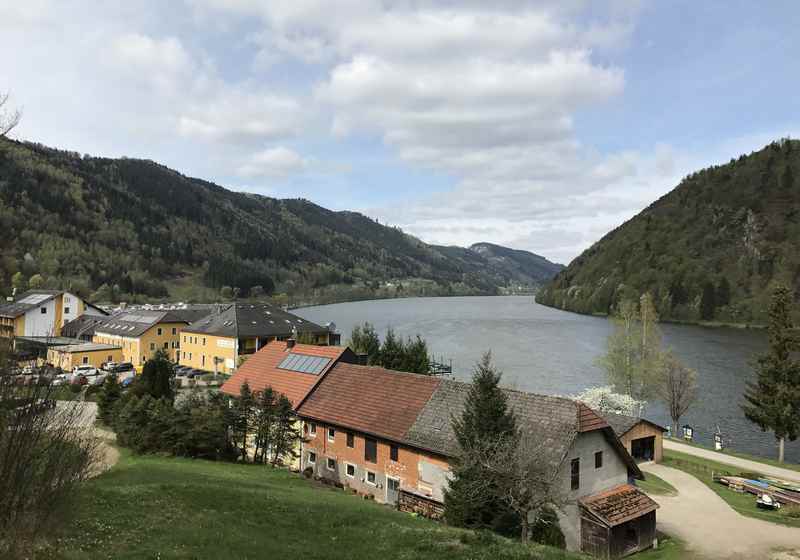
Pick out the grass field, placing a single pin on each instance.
(745, 503)
(154, 507)
(766, 461)
(669, 548)
(656, 486)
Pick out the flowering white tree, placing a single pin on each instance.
(604, 399)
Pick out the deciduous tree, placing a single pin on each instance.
(677, 389)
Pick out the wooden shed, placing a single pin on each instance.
(643, 439)
(618, 522)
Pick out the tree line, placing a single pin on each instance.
(393, 353)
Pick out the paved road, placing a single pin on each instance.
(744, 464)
(710, 527)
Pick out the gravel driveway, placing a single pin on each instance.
(710, 527)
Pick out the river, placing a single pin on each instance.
(549, 351)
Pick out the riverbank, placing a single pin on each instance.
(687, 322)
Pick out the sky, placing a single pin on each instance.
(540, 125)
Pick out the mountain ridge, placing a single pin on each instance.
(710, 250)
(136, 229)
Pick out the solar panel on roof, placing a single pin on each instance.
(304, 364)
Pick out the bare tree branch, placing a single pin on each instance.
(677, 388)
(8, 119)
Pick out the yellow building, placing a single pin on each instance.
(217, 341)
(87, 353)
(140, 333)
(42, 313)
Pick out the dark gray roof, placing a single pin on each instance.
(622, 424)
(252, 319)
(26, 301)
(82, 326)
(135, 323)
(553, 418)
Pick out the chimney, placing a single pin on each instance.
(290, 343)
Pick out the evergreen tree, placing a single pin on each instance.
(243, 420)
(773, 401)
(415, 356)
(787, 181)
(708, 304)
(472, 497)
(265, 419)
(364, 340)
(287, 432)
(392, 351)
(108, 398)
(157, 378)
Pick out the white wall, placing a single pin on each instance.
(73, 303)
(41, 324)
(592, 481)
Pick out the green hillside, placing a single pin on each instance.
(151, 507)
(128, 229)
(710, 250)
(520, 265)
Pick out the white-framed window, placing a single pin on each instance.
(371, 478)
(66, 310)
(331, 464)
(331, 434)
(44, 311)
(350, 470)
(86, 359)
(204, 341)
(152, 346)
(158, 331)
(312, 458)
(174, 330)
(312, 429)
(166, 346)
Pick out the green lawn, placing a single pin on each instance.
(669, 548)
(772, 462)
(743, 503)
(154, 507)
(655, 485)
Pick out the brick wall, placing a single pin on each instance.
(409, 470)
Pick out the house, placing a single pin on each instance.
(87, 353)
(217, 341)
(643, 439)
(42, 313)
(389, 434)
(289, 368)
(141, 333)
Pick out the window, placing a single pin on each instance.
(393, 452)
(204, 341)
(166, 345)
(110, 358)
(575, 472)
(190, 355)
(350, 470)
(371, 478)
(351, 440)
(203, 360)
(313, 430)
(370, 450)
(331, 464)
(44, 311)
(152, 346)
(66, 311)
(86, 359)
(174, 330)
(184, 339)
(598, 460)
(158, 331)
(331, 434)
(312, 458)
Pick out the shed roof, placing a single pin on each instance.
(619, 504)
(261, 370)
(622, 424)
(82, 326)
(133, 324)
(85, 347)
(251, 320)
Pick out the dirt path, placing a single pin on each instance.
(744, 464)
(710, 527)
(108, 454)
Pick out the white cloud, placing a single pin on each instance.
(273, 162)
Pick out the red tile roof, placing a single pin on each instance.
(261, 370)
(589, 420)
(370, 399)
(619, 504)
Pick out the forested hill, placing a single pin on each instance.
(712, 249)
(127, 229)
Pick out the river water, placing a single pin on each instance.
(549, 351)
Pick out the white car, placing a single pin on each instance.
(86, 370)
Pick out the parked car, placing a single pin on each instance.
(61, 379)
(124, 367)
(109, 366)
(127, 381)
(85, 370)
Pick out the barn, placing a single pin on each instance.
(643, 439)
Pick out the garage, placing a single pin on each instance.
(642, 438)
